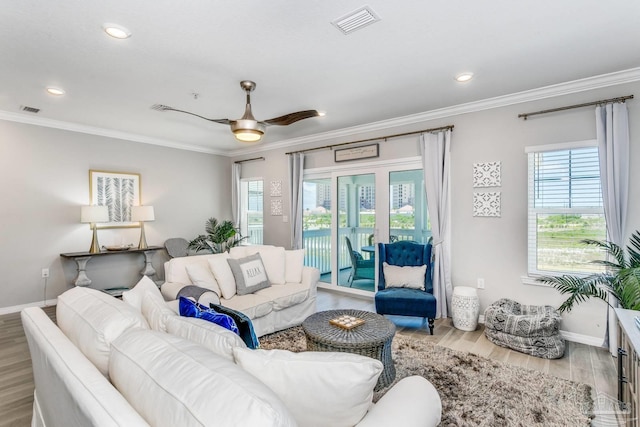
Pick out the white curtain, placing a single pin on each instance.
(296, 172)
(435, 149)
(236, 172)
(612, 133)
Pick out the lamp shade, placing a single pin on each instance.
(94, 214)
(142, 213)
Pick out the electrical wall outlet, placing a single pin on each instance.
(45, 273)
(480, 283)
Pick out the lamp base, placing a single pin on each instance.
(95, 247)
(143, 239)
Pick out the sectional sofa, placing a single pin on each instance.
(289, 300)
(137, 363)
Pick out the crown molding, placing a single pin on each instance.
(109, 133)
(575, 86)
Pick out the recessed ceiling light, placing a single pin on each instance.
(322, 113)
(116, 31)
(464, 77)
(55, 91)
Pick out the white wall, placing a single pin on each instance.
(44, 175)
(491, 248)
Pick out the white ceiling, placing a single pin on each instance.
(402, 65)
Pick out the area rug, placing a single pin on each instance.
(476, 391)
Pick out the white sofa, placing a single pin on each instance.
(290, 299)
(105, 366)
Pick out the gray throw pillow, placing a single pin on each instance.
(249, 273)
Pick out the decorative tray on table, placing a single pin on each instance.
(346, 322)
(117, 248)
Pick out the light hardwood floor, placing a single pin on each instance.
(590, 365)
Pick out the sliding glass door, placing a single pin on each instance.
(346, 212)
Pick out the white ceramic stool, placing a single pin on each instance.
(465, 308)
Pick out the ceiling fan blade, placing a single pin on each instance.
(287, 119)
(160, 107)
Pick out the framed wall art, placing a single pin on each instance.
(362, 152)
(119, 191)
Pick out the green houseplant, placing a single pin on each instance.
(219, 237)
(621, 279)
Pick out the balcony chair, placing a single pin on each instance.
(403, 301)
(360, 268)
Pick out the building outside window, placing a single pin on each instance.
(565, 207)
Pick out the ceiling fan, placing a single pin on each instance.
(247, 128)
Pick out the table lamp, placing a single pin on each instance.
(92, 215)
(142, 214)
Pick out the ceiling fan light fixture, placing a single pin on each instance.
(247, 130)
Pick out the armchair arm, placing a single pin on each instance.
(412, 402)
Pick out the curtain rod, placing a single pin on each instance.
(371, 139)
(587, 104)
(249, 160)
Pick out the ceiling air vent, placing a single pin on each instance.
(355, 20)
(29, 109)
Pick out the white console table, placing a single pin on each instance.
(82, 258)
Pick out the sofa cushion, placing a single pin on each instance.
(201, 275)
(175, 269)
(253, 305)
(273, 258)
(190, 308)
(319, 388)
(404, 277)
(249, 273)
(156, 311)
(171, 381)
(92, 319)
(134, 296)
(223, 274)
(216, 338)
(294, 263)
(286, 296)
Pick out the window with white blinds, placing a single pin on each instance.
(565, 207)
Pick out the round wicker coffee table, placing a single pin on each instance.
(372, 339)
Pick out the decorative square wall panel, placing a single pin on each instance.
(275, 189)
(487, 174)
(276, 207)
(486, 204)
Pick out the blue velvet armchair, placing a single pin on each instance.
(406, 301)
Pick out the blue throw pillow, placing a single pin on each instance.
(190, 308)
(245, 326)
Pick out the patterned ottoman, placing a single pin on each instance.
(529, 329)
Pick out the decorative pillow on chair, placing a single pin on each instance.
(189, 308)
(249, 273)
(244, 324)
(404, 277)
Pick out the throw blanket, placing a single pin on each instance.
(193, 292)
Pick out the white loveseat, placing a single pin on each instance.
(289, 300)
(105, 365)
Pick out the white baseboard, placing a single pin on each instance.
(571, 336)
(582, 339)
(17, 308)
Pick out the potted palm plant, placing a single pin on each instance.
(219, 237)
(620, 280)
